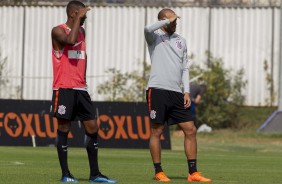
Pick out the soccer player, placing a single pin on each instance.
(71, 100)
(167, 100)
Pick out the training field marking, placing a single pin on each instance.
(5, 163)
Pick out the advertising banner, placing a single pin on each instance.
(121, 125)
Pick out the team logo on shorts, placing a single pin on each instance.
(153, 114)
(62, 109)
(178, 44)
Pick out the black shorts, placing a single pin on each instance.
(72, 105)
(167, 106)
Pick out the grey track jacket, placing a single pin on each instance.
(170, 68)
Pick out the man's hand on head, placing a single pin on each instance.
(81, 12)
(173, 18)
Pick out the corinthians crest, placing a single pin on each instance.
(62, 109)
(178, 44)
(153, 114)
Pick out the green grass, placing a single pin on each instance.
(253, 117)
(238, 156)
(225, 156)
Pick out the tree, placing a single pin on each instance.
(3, 80)
(223, 95)
(221, 100)
(6, 89)
(269, 84)
(125, 86)
(19, 2)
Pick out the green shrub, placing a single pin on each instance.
(223, 95)
(128, 87)
(221, 100)
(3, 73)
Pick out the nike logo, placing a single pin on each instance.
(76, 44)
(70, 180)
(64, 146)
(95, 145)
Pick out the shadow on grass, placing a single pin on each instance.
(178, 177)
(82, 179)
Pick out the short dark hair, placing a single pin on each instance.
(162, 13)
(73, 5)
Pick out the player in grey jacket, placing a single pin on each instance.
(168, 91)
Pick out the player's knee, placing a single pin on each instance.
(91, 127)
(91, 139)
(190, 131)
(64, 128)
(92, 130)
(156, 132)
(61, 138)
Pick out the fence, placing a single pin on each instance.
(242, 37)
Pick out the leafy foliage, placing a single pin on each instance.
(270, 86)
(3, 73)
(19, 2)
(125, 87)
(223, 95)
(6, 89)
(221, 101)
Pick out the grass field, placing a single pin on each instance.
(225, 156)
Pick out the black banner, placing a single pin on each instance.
(121, 125)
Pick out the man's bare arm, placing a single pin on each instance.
(60, 38)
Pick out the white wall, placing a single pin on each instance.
(114, 36)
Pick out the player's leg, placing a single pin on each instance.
(186, 119)
(155, 145)
(156, 100)
(155, 150)
(190, 144)
(63, 109)
(190, 147)
(86, 114)
(62, 149)
(91, 143)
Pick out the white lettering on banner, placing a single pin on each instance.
(76, 54)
